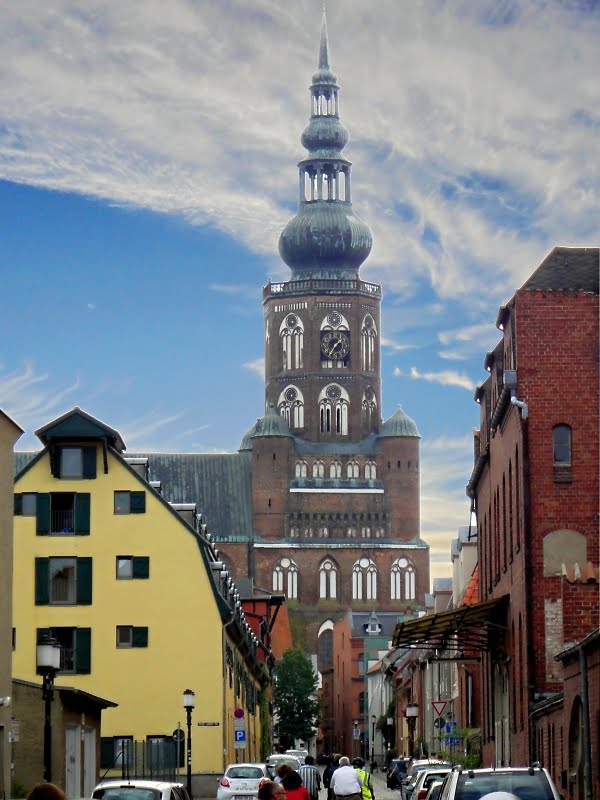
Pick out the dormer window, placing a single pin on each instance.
(76, 462)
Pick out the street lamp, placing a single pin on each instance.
(412, 712)
(373, 721)
(355, 736)
(189, 702)
(47, 658)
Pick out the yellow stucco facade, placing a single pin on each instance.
(157, 624)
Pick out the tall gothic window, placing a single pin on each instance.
(335, 469)
(291, 335)
(285, 578)
(353, 469)
(318, 470)
(402, 580)
(364, 580)
(300, 469)
(370, 470)
(368, 335)
(290, 405)
(328, 579)
(333, 409)
(369, 406)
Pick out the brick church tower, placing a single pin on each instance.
(334, 490)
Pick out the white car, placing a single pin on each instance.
(533, 782)
(139, 790)
(299, 754)
(277, 759)
(425, 778)
(241, 781)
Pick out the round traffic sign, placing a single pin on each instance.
(239, 713)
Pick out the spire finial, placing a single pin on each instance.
(324, 49)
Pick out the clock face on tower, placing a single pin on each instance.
(335, 345)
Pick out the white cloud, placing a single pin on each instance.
(385, 342)
(446, 377)
(257, 366)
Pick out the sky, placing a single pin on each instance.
(148, 157)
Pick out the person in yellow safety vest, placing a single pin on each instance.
(367, 780)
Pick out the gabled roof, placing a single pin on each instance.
(77, 424)
(471, 595)
(567, 268)
(467, 627)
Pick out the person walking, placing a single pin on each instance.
(346, 781)
(311, 777)
(327, 773)
(367, 780)
(294, 790)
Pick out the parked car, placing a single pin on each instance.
(434, 791)
(277, 759)
(425, 778)
(533, 782)
(241, 780)
(415, 770)
(300, 754)
(139, 790)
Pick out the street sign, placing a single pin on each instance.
(439, 706)
(239, 713)
(239, 738)
(439, 723)
(356, 733)
(208, 724)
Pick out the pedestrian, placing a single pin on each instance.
(270, 790)
(327, 773)
(311, 777)
(346, 781)
(281, 771)
(294, 790)
(367, 780)
(46, 791)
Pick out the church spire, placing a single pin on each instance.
(325, 239)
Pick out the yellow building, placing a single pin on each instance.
(132, 588)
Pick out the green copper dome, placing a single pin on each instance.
(325, 239)
(272, 424)
(246, 443)
(400, 425)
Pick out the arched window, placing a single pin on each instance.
(323, 531)
(369, 405)
(291, 406)
(333, 409)
(318, 469)
(402, 580)
(364, 580)
(353, 469)
(561, 445)
(285, 578)
(291, 335)
(365, 532)
(335, 341)
(368, 335)
(335, 469)
(351, 532)
(325, 647)
(300, 469)
(328, 579)
(370, 470)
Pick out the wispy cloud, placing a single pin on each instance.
(396, 346)
(257, 366)
(446, 377)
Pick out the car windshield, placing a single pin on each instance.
(126, 793)
(245, 772)
(519, 784)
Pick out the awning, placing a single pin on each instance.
(472, 627)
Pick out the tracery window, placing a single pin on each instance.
(300, 470)
(369, 405)
(285, 577)
(335, 341)
(335, 469)
(368, 335)
(291, 406)
(318, 469)
(370, 470)
(353, 469)
(364, 580)
(291, 335)
(402, 580)
(328, 579)
(333, 409)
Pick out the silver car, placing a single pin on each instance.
(241, 781)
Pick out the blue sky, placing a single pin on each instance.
(148, 165)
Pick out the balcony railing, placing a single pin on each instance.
(62, 522)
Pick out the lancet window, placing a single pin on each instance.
(300, 470)
(368, 336)
(364, 580)
(353, 469)
(328, 579)
(402, 580)
(335, 469)
(290, 405)
(285, 578)
(318, 469)
(291, 335)
(333, 410)
(370, 470)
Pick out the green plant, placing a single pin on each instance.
(18, 790)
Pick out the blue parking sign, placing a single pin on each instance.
(239, 735)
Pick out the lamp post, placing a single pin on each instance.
(189, 702)
(412, 712)
(373, 721)
(47, 658)
(355, 736)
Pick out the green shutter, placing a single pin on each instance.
(84, 581)
(137, 502)
(83, 650)
(89, 462)
(42, 514)
(139, 637)
(18, 504)
(107, 752)
(42, 577)
(141, 567)
(82, 513)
